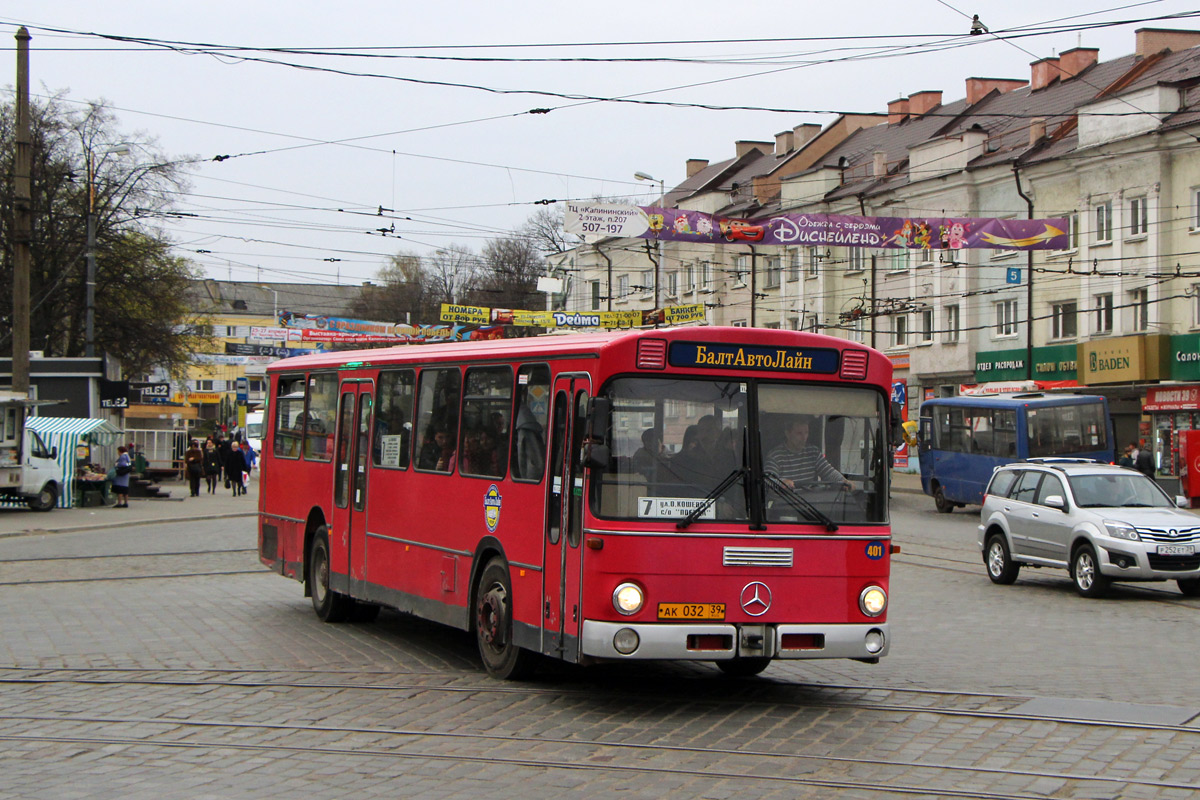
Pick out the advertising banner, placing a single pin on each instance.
(917, 233)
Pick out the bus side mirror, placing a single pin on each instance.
(597, 456)
(599, 416)
(895, 431)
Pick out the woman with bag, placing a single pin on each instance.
(121, 478)
(193, 462)
(235, 465)
(212, 466)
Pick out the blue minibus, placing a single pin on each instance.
(962, 439)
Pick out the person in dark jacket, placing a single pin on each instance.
(1143, 462)
(235, 465)
(212, 466)
(193, 464)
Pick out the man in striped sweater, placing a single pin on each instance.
(796, 462)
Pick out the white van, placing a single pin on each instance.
(254, 430)
(29, 470)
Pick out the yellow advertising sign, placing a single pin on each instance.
(620, 319)
(197, 397)
(466, 315)
(535, 319)
(688, 313)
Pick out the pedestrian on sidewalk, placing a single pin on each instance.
(120, 484)
(212, 466)
(235, 465)
(193, 461)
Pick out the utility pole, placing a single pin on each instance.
(1029, 284)
(23, 220)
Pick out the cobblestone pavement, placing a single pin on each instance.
(218, 681)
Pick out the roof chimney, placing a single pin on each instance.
(695, 165)
(1037, 130)
(1043, 72)
(1155, 40)
(742, 147)
(880, 167)
(783, 143)
(921, 103)
(803, 134)
(897, 111)
(979, 88)
(1074, 61)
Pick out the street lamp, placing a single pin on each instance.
(662, 194)
(89, 332)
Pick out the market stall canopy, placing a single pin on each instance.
(97, 431)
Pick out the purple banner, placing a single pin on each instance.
(918, 233)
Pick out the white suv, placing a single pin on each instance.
(1101, 522)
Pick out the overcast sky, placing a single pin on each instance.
(462, 165)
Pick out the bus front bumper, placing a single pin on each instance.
(703, 642)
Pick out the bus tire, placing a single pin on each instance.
(46, 499)
(744, 667)
(1000, 566)
(1085, 572)
(944, 506)
(330, 606)
(493, 624)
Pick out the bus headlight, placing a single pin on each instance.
(873, 601)
(628, 599)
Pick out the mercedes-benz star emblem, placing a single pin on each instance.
(756, 598)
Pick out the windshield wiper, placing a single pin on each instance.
(711, 498)
(799, 503)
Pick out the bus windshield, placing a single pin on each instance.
(679, 442)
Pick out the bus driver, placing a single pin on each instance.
(795, 461)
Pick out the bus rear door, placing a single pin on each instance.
(347, 534)
(564, 519)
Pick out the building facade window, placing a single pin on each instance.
(772, 272)
(814, 262)
(856, 331)
(622, 287)
(953, 324)
(793, 271)
(926, 325)
(1103, 313)
(740, 323)
(1104, 220)
(898, 260)
(899, 330)
(856, 259)
(1196, 305)
(647, 281)
(1006, 318)
(741, 271)
(1138, 216)
(1063, 320)
(689, 278)
(1139, 301)
(706, 276)
(672, 283)
(1195, 226)
(950, 257)
(1072, 233)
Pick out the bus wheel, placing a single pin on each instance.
(46, 499)
(743, 667)
(494, 625)
(1085, 572)
(329, 605)
(1000, 566)
(944, 506)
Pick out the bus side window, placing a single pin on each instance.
(393, 419)
(437, 418)
(320, 408)
(530, 416)
(487, 403)
(289, 417)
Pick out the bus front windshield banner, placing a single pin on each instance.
(679, 445)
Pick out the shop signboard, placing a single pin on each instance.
(1000, 365)
(1185, 357)
(1125, 358)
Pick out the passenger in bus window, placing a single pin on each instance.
(691, 466)
(796, 462)
(530, 444)
(438, 452)
(647, 458)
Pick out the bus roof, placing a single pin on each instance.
(1015, 400)
(578, 344)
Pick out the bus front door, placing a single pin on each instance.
(347, 529)
(561, 590)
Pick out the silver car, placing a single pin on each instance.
(1101, 522)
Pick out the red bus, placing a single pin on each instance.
(715, 494)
